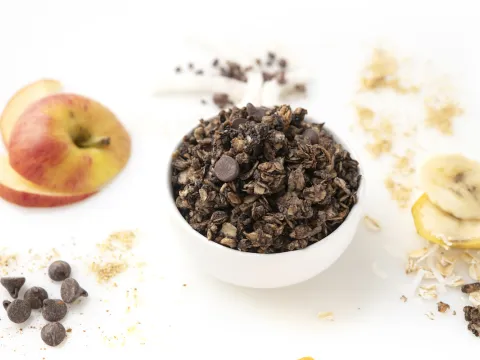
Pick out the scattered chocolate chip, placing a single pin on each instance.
(13, 285)
(469, 288)
(226, 168)
(190, 66)
(53, 334)
(178, 69)
(312, 135)
(199, 72)
(35, 297)
(71, 291)
(221, 100)
(59, 270)
(271, 55)
(18, 311)
(237, 122)
(203, 101)
(54, 309)
(282, 63)
(215, 63)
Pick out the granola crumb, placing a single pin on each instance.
(398, 192)
(442, 307)
(403, 298)
(440, 114)
(108, 270)
(326, 315)
(371, 223)
(382, 73)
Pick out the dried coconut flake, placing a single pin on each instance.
(428, 292)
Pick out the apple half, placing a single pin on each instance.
(21, 100)
(19, 191)
(68, 143)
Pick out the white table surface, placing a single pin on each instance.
(116, 51)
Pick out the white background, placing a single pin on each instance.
(117, 51)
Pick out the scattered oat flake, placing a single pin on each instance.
(474, 271)
(326, 315)
(415, 254)
(474, 298)
(468, 258)
(430, 315)
(442, 307)
(428, 292)
(371, 223)
(403, 298)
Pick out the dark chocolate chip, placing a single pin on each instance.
(178, 69)
(54, 310)
(59, 270)
(282, 63)
(226, 169)
(53, 334)
(190, 66)
(199, 72)
(312, 135)
(221, 100)
(71, 291)
(35, 297)
(215, 63)
(237, 122)
(18, 311)
(13, 285)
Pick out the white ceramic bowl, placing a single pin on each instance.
(268, 270)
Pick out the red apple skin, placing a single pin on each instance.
(42, 151)
(26, 199)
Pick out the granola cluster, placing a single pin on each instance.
(263, 180)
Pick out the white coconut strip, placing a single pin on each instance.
(417, 281)
(431, 250)
(194, 84)
(271, 93)
(252, 90)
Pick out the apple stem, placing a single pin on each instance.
(95, 142)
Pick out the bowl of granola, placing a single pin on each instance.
(263, 198)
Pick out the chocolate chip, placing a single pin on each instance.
(53, 334)
(59, 270)
(190, 66)
(71, 291)
(268, 76)
(271, 55)
(199, 72)
(237, 122)
(18, 311)
(256, 112)
(226, 169)
(178, 69)
(282, 63)
(13, 285)
(54, 310)
(312, 135)
(35, 297)
(215, 63)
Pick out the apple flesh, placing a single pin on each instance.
(17, 190)
(68, 143)
(20, 102)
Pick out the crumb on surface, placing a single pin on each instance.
(107, 271)
(440, 114)
(371, 223)
(442, 307)
(398, 192)
(403, 298)
(326, 315)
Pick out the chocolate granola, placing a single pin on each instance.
(289, 183)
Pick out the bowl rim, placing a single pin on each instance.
(310, 248)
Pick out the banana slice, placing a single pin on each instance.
(437, 226)
(452, 182)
